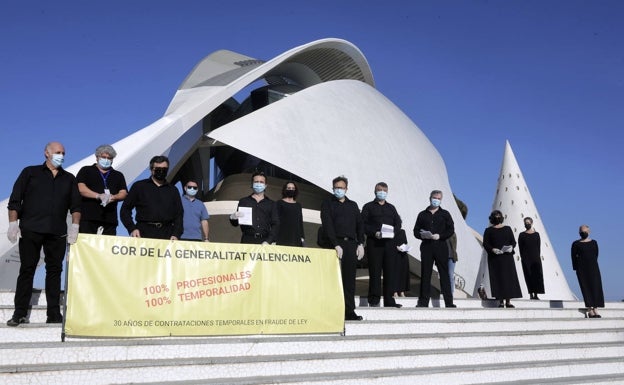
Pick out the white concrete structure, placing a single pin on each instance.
(336, 124)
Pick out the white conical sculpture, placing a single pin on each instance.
(514, 200)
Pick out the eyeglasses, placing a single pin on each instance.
(160, 168)
(191, 187)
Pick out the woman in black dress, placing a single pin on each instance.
(529, 243)
(499, 242)
(585, 263)
(291, 217)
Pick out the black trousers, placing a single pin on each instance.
(91, 227)
(430, 252)
(30, 245)
(348, 267)
(382, 259)
(250, 239)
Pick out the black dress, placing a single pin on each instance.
(503, 276)
(291, 224)
(529, 245)
(585, 262)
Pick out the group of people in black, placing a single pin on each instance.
(43, 195)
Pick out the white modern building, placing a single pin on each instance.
(309, 114)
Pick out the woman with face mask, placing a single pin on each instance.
(499, 242)
(529, 243)
(290, 215)
(585, 263)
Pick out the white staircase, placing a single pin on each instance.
(538, 342)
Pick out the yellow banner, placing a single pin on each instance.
(140, 287)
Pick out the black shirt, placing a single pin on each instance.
(97, 181)
(42, 200)
(439, 222)
(342, 220)
(153, 203)
(265, 218)
(374, 215)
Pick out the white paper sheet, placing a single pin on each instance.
(246, 218)
(387, 231)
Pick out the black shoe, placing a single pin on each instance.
(373, 304)
(421, 305)
(55, 319)
(397, 305)
(510, 306)
(353, 317)
(451, 306)
(16, 321)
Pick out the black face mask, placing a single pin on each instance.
(496, 220)
(160, 173)
(289, 193)
(527, 226)
(583, 234)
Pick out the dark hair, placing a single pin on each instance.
(159, 159)
(381, 184)
(258, 173)
(286, 185)
(340, 178)
(528, 219)
(494, 217)
(191, 180)
(435, 192)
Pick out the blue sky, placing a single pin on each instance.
(546, 75)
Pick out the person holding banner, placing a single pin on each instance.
(290, 216)
(101, 188)
(41, 197)
(195, 222)
(343, 225)
(381, 220)
(257, 214)
(158, 205)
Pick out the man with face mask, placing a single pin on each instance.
(158, 205)
(196, 216)
(381, 247)
(41, 198)
(264, 216)
(433, 227)
(101, 187)
(342, 222)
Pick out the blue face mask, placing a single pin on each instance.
(435, 202)
(381, 195)
(258, 187)
(105, 163)
(190, 191)
(339, 193)
(57, 160)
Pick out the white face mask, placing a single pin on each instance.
(105, 163)
(191, 191)
(57, 160)
(435, 202)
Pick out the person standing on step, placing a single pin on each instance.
(262, 225)
(499, 243)
(40, 200)
(157, 205)
(342, 223)
(101, 188)
(195, 219)
(381, 220)
(290, 214)
(529, 245)
(433, 227)
(585, 263)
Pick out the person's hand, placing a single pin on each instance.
(14, 232)
(360, 252)
(403, 248)
(173, 238)
(497, 251)
(235, 215)
(378, 235)
(72, 233)
(105, 198)
(339, 251)
(265, 243)
(435, 237)
(425, 234)
(135, 233)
